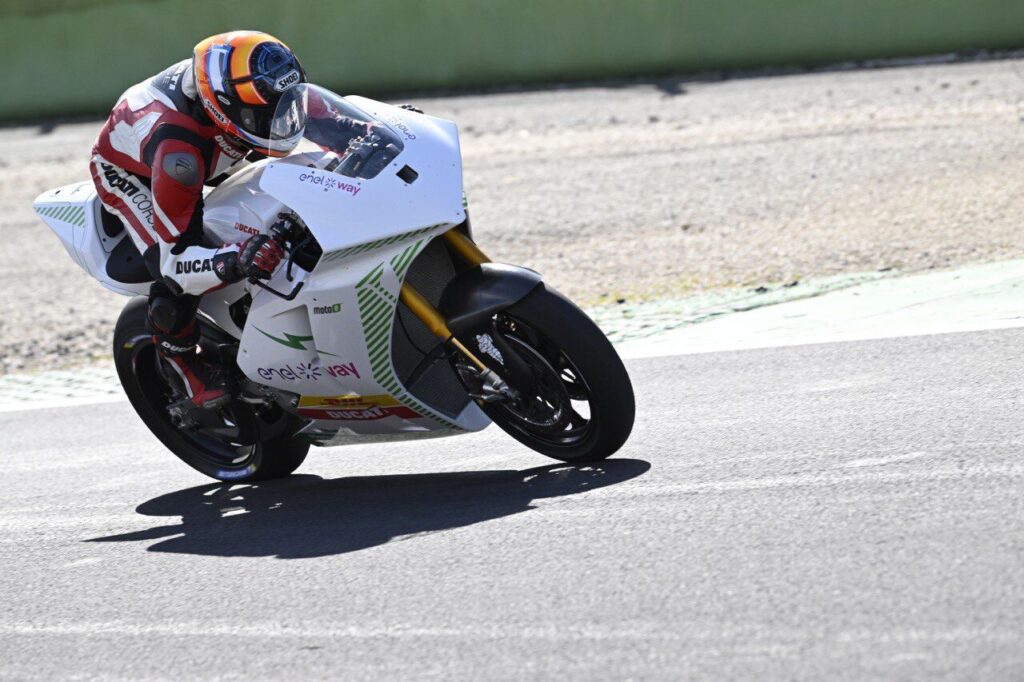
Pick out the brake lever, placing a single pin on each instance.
(288, 269)
(275, 292)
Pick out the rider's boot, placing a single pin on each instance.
(205, 384)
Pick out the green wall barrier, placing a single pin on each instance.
(67, 57)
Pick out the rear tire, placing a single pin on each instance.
(572, 363)
(149, 394)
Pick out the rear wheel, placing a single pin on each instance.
(574, 398)
(226, 445)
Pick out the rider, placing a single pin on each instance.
(192, 124)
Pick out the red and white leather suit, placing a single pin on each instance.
(150, 163)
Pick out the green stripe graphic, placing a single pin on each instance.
(73, 215)
(376, 312)
(380, 243)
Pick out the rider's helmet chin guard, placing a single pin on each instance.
(241, 77)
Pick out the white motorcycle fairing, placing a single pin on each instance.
(333, 344)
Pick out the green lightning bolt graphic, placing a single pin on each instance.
(293, 341)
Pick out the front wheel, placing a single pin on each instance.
(224, 446)
(574, 400)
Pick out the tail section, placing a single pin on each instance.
(63, 210)
(108, 254)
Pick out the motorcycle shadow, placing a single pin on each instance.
(307, 516)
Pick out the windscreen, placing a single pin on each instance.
(337, 135)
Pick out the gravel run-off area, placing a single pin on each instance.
(640, 191)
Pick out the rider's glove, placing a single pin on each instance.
(349, 128)
(410, 107)
(259, 257)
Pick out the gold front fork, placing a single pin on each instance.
(465, 247)
(428, 314)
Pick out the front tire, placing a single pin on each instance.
(221, 458)
(577, 404)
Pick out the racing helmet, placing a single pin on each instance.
(240, 77)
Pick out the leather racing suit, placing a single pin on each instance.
(149, 164)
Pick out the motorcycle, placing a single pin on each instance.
(385, 322)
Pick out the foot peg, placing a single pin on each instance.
(185, 414)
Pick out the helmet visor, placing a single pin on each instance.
(289, 119)
(276, 130)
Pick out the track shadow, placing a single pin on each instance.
(308, 516)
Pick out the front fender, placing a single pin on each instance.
(475, 295)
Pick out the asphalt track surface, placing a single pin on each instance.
(845, 510)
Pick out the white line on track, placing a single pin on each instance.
(622, 631)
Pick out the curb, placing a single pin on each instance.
(622, 323)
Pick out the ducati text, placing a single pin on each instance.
(185, 267)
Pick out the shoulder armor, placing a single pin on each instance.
(175, 83)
